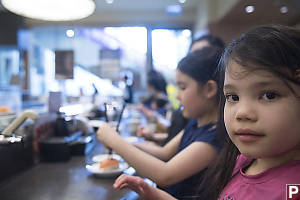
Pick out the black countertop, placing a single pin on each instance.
(62, 181)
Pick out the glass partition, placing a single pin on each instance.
(9, 66)
(169, 46)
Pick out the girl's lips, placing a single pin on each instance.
(247, 135)
(249, 138)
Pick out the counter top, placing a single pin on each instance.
(62, 181)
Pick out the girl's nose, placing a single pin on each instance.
(245, 112)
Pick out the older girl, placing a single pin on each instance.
(173, 167)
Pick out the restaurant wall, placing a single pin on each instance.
(54, 38)
(9, 23)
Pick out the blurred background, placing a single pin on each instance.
(119, 37)
(69, 65)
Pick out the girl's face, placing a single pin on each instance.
(262, 114)
(151, 90)
(190, 95)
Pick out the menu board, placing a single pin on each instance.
(64, 64)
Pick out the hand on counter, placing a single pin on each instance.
(141, 187)
(144, 131)
(148, 134)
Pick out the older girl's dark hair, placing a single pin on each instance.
(202, 64)
(274, 48)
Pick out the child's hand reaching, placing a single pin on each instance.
(106, 134)
(136, 184)
(141, 187)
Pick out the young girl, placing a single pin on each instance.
(173, 167)
(261, 114)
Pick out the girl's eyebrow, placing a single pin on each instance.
(228, 87)
(255, 85)
(264, 84)
(179, 82)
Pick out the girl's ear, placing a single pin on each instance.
(211, 89)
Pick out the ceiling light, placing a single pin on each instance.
(51, 10)
(284, 9)
(109, 1)
(70, 33)
(174, 9)
(182, 1)
(249, 9)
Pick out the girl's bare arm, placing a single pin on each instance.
(188, 162)
(164, 153)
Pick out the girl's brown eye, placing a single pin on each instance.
(269, 95)
(231, 97)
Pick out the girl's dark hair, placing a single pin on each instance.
(211, 39)
(202, 64)
(274, 48)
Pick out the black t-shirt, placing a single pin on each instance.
(178, 122)
(192, 133)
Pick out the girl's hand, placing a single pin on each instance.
(139, 131)
(148, 113)
(144, 132)
(106, 134)
(136, 184)
(139, 107)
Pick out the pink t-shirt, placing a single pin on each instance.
(268, 185)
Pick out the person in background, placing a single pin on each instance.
(206, 40)
(157, 100)
(174, 167)
(261, 110)
(178, 121)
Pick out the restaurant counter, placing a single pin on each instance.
(62, 181)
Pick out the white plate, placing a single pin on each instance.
(95, 169)
(100, 157)
(131, 139)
